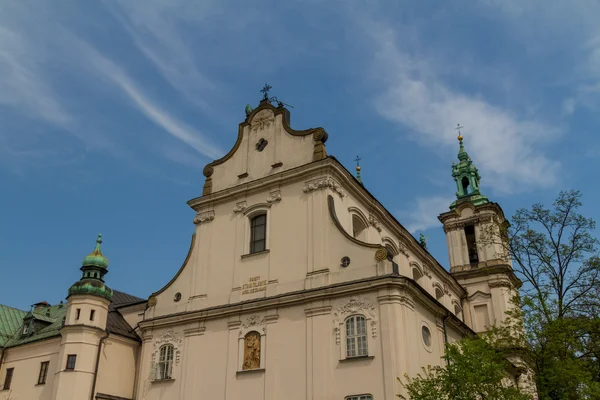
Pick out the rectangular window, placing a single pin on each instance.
(258, 233)
(482, 318)
(471, 244)
(356, 337)
(78, 313)
(360, 397)
(71, 358)
(8, 379)
(43, 372)
(92, 315)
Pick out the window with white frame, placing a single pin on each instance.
(356, 336)
(359, 397)
(165, 362)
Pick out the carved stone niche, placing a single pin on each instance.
(251, 343)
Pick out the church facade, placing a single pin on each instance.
(298, 284)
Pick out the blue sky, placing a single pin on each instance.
(109, 111)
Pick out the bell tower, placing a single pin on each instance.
(478, 263)
(84, 329)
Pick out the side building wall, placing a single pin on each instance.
(26, 361)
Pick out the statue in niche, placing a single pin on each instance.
(251, 351)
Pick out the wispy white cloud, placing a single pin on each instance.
(153, 26)
(178, 129)
(506, 146)
(424, 214)
(23, 88)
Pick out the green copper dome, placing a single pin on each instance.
(95, 258)
(467, 178)
(94, 287)
(94, 267)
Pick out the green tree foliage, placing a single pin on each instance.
(474, 371)
(555, 254)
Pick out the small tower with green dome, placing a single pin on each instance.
(467, 178)
(84, 328)
(94, 267)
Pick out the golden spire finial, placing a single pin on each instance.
(458, 128)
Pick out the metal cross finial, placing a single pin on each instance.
(265, 91)
(357, 159)
(458, 128)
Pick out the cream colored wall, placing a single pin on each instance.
(298, 257)
(133, 314)
(26, 361)
(117, 369)
(82, 341)
(282, 147)
(87, 303)
(302, 359)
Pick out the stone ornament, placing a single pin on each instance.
(381, 254)
(253, 322)
(152, 301)
(274, 197)
(239, 207)
(354, 305)
(172, 338)
(204, 217)
(323, 183)
(375, 222)
(263, 119)
(208, 170)
(320, 135)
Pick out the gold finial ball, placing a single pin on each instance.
(358, 167)
(460, 137)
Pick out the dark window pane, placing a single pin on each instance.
(8, 380)
(258, 231)
(43, 373)
(71, 358)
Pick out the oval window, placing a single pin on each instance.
(426, 333)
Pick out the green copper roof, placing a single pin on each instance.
(466, 175)
(11, 320)
(96, 258)
(51, 318)
(94, 267)
(91, 286)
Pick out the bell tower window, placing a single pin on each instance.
(465, 185)
(471, 244)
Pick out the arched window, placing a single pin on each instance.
(390, 258)
(359, 229)
(165, 362)
(465, 185)
(258, 233)
(416, 274)
(457, 311)
(438, 293)
(356, 336)
(251, 351)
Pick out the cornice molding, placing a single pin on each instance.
(411, 292)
